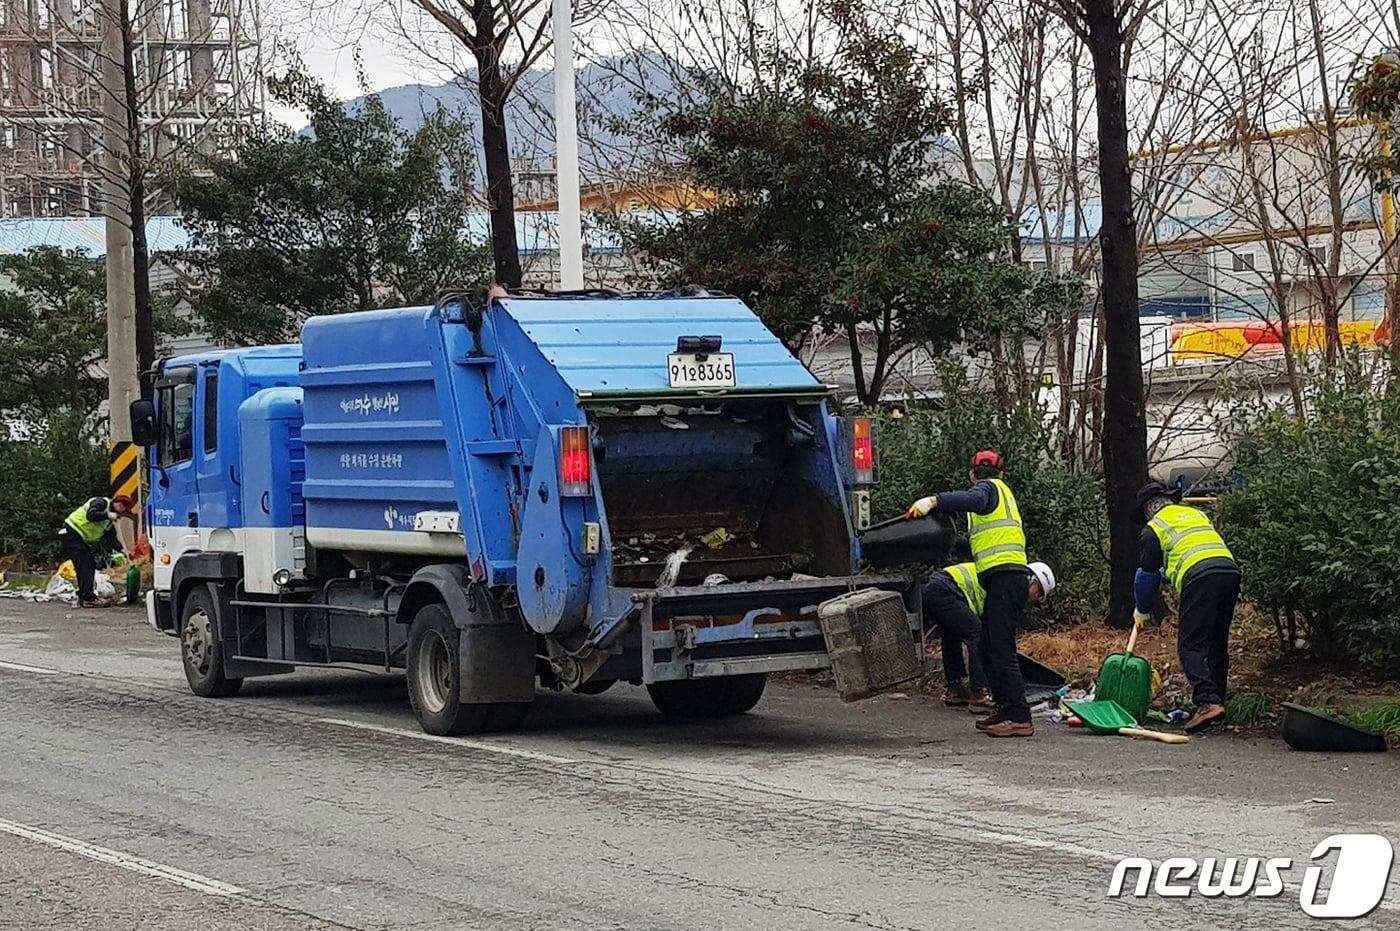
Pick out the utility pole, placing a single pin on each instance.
(566, 150)
(123, 383)
(123, 380)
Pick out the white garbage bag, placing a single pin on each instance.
(102, 586)
(61, 589)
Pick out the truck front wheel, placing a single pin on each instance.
(435, 681)
(201, 648)
(707, 698)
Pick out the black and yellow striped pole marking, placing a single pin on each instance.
(126, 469)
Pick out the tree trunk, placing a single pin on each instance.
(500, 191)
(1125, 424)
(136, 211)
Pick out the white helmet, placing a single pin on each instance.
(1045, 576)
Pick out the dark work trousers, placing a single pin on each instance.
(957, 625)
(71, 546)
(1007, 596)
(1203, 638)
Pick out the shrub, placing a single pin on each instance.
(46, 476)
(927, 451)
(1316, 524)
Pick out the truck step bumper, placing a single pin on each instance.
(738, 629)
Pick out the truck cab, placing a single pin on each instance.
(196, 501)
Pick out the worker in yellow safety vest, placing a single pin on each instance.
(953, 601)
(1180, 543)
(90, 526)
(999, 552)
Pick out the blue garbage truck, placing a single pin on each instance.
(537, 491)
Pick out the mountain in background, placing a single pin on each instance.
(609, 94)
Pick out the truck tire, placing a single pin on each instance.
(744, 692)
(708, 698)
(689, 698)
(201, 648)
(435, 681)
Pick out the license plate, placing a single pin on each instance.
(687, 370)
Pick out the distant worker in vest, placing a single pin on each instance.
(1181, 543)
(953, 604)
(91, 526)
(999, 553)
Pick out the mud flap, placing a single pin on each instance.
(498, 663)
(496, 652)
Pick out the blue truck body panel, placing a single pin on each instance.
(620, 344)
(273, 458)
(377, 445)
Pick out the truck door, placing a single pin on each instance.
(209, 472)
(174, 491)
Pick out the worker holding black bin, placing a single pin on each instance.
(998, 541)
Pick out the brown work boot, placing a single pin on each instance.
(990, 720)
(981, 702)
(1010, 729)
(956, 695)
(1206, 716)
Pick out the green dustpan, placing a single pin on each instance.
(1109, 717)
(1102, 717)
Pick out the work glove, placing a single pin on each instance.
(1140, 618)
(921, 508)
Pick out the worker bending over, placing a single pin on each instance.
(1181, 543)
(89, 526)
(999, 553)
(953, 604)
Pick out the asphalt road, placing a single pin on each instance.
(313, 801)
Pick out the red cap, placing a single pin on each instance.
(123, 499)
(988, 457)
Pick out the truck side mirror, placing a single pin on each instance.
(143, 423)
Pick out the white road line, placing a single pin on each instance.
(124, 860)
(1037, 843)
(22, 667)
(534, 755)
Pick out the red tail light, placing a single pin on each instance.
(575, 462)
(863, 449)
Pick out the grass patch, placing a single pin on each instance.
(1246, 709)
(1383, 719)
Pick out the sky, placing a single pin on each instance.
(327, 35)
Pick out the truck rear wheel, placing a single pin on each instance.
(201, 648)
(744, 692)
(435, 681)
(707, 698)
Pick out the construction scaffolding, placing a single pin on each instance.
(196, 76)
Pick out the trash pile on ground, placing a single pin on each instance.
(61, 587)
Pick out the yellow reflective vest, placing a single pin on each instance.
(1188, 538)
(964, 575)
(90, 530)
(998, 539)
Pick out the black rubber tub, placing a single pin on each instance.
(1310, 729)
(900, 542)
